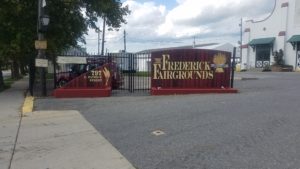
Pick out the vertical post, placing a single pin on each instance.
(98, 42)
(54, 72)
(194, 42)
(129, 71)
(41, 53)
(31, 76)
(241, 45)
(297, 55)
(233, 67)
(124, 41)
(103, 36)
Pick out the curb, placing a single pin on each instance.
(27, 105)
(246, 78)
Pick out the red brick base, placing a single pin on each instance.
(173, 91)
(73, 93)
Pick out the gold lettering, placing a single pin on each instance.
(190, 75)
(183, 66)
(170, 74)
(210, 75)
(156, 68)
(177, 66)
(179, 69)
(190, 65)
(199, 76)
(165, 61)
(171, 66)
(182, 75)
(195, 65)
(207, 66)
(160, 75)
(176, 74)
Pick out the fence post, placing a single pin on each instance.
(54, 72)
(233, 66)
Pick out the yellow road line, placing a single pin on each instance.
(28, 105)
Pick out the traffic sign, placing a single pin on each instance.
(40, 44)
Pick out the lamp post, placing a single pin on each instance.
(43, 21)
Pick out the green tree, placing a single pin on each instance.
(69, 22)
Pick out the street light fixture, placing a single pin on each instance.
(45, 20)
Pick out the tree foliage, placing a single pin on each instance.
(69, 22)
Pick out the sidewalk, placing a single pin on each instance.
(51, 139)
(63, 140)
(11, 101)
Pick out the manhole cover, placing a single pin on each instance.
(158, 132)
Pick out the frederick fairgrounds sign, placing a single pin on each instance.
(182, 71)
(185, 71)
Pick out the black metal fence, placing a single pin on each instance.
(131, 72)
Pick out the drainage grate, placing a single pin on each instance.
(157, 132)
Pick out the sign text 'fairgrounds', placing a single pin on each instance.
(164, 68)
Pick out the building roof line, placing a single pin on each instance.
(251, 20)
(178, 47)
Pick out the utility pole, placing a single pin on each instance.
(103, 36)
(41, 52)
(194, 43)
(124, 41)
(241, 44)
(98, 31)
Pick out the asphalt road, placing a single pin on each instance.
(258, 128)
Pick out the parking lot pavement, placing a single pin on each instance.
(257, 128)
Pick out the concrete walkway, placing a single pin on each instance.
(63, 140)
(51, 139)
(11, 101)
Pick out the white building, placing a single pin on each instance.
(280, 30)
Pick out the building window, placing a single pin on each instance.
(263, 53)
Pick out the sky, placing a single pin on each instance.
(170, 23)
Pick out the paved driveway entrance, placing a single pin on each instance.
(255, 129)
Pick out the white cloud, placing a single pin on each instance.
(151, 25)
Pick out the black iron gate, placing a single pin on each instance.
(134, 71)
(130, 72)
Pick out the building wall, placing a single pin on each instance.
(282, 24)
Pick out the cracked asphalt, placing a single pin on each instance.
(258, 128)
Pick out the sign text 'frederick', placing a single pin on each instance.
(190, 69)
(165, 69)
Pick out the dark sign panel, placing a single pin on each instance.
(93, 83)
(98, 78)
(190, 70)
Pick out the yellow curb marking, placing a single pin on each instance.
(28, 105)
(238, 68)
